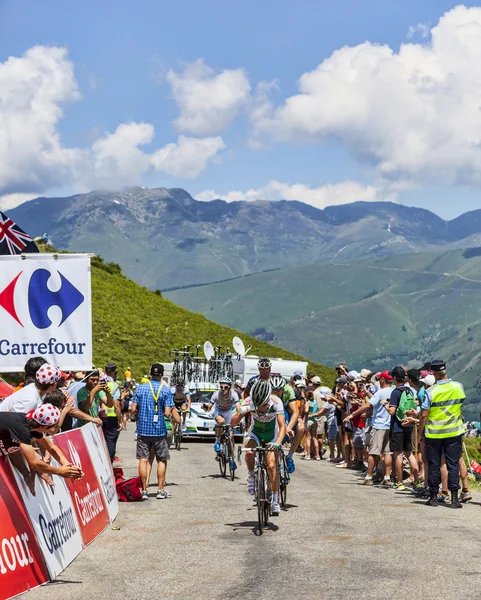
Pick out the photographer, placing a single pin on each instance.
(95, 394)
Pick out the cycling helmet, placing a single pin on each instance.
(278, 382)
(261, 392)
(226, 380)
(180, 381)
(264, 363)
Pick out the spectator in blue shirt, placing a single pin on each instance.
(152, 400)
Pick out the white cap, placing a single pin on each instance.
(429, 380)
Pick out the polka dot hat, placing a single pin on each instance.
(48, 374)
(45, 414)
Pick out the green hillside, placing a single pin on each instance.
(134, 327)
(401, 310)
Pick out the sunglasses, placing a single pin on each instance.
(224, 387)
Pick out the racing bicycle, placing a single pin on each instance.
(262, 493)
(226, 454)
(178, 430)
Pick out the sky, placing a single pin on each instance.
(318, 101)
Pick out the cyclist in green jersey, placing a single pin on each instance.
(269, 426)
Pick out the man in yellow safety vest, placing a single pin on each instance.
(443, 427)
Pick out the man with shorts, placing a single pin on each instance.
(379, 444)
(400, 436)
(153, 400)
(328, 410)
(224, 401)
(182, 400)
(268, 426)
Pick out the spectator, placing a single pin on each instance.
(401, 435)
(17, 430)
(312, 414)
(126, 398)
(153, 400)
(379, 444)
(128, 375)
(321, 420)
(328, 409)
(93, 397)
(112, 421)
(31, 395)
(238, 387)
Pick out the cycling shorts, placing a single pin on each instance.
(225, 414)
(261, 436)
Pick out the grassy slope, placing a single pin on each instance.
(378, 313)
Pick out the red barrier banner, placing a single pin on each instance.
(21, 563)
(54, 521)
(87, 496)
(95, 441)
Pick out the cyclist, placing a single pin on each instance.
(224, 401)
(295, 427)
(269, 426)
(182, 400)
(264, 365)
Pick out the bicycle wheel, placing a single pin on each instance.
(261, 496)
(178, 438)
(282, 480)
(222, 461)
(230, 458)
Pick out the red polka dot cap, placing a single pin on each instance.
(45, 414)
(48, 374)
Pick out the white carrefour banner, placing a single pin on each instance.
(45, 310)
(103, 468)
(54, 521)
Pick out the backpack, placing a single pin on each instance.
(129, 490)
(406, 403)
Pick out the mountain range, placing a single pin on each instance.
(163, 238)
(375, 284)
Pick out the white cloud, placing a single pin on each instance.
(117, 157)
(412, 114)
(420, 28)
(33, 91)
(188, 157)
(208, 101)
(320, 197)
(12, 200)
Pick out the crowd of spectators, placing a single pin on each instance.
(398, 428)
(73, 400)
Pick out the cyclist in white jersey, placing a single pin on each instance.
(224, 401)
(269, 426)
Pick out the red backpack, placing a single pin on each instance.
(128, 490)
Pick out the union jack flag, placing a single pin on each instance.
(14, 240)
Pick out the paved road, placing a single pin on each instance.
(336, 540)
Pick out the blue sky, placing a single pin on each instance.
(121, 53)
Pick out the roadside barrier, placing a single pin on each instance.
(41, 535)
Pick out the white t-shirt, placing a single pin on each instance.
(26, 399)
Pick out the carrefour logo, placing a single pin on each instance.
(40, 298)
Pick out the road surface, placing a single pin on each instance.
(335, 540)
